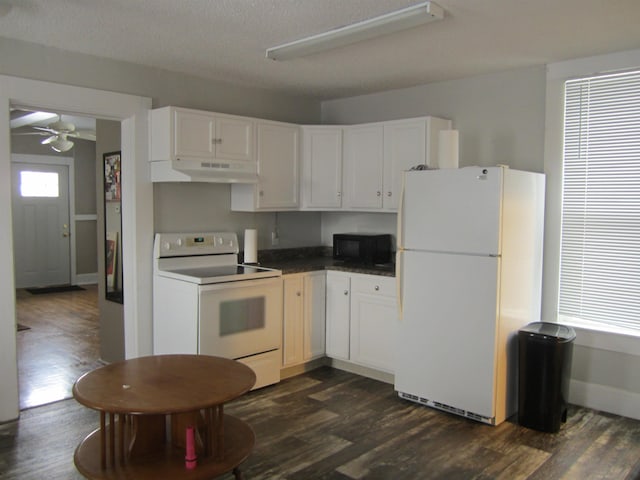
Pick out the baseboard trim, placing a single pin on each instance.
(360, 370)
(295, 370)
(604, 398)
(86, 278)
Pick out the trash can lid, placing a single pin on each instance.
(562, 333)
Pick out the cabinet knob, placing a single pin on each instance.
(346, 292)
(339, 194)
(262, 193)
(376, 288)
(298, 293)
(378, 193)
(388, 194)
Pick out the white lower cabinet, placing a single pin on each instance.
(338, 306)
(304, 317)
(362, 319)
(374, 315)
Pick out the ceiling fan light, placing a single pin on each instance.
(61, 144)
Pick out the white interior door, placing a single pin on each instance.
(41, 234)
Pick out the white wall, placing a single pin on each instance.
(29, 60)
(22, 60)
(605, 365)
(500, 118)
(504, 118)
(205, 207)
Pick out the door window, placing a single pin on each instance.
(39, 184)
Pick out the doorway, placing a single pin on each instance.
(41, 231)
(137, 209)
(55, 255)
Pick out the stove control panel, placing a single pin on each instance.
(188, 244)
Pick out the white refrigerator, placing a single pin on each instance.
(469, 272)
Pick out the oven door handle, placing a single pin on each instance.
(239, 284)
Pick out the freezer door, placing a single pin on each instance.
(452, 210)
(447, 340)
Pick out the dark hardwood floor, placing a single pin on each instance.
(330, 425)
(61, 343)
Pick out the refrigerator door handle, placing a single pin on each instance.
(399, 269)
(399, 242)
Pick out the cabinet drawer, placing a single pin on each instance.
(373, 284)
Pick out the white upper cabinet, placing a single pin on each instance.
(321, 184)
(408, 143)
(359, 167)
(278, 171)
(363, 167)
(180, 132)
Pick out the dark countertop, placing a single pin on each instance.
(309, 259)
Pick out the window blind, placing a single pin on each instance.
(600, 245)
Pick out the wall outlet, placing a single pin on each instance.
(274, 239)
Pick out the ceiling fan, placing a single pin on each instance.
(59, 133)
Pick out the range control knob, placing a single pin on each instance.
(167, 246)
(179, 242)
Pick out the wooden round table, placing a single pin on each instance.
(146, 405)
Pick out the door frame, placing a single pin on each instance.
(137, 212)
(69, 163)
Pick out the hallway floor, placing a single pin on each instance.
(61, 343)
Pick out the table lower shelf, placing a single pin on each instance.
(239, 440)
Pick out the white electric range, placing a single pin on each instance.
(205, 302)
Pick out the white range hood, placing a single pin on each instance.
(196, 170)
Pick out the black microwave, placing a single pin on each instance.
(364, 248)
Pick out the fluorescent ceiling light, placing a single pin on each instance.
(374, 27)
(31, 118)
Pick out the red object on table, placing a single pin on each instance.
(191, 459)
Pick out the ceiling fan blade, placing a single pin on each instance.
(30, 133)
(61, 126)
(45, 129)
(47, 141)
(83, 134)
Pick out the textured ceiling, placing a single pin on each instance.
(226, 39)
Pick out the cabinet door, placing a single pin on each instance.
(234, 139)
(363, 157)
(321, 167)
(404, 147)
(292, 345)
(338, 299)
(194, 134)
(277, 166)
(374, 317)
(314, 315)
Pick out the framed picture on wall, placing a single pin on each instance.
(112, 176)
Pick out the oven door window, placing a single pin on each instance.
(242, 318)
(242, 315)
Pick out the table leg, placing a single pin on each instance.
(121, 428)
(103, 441)
(238, 474)
(112, 438)
(208, 419)
(219, 427)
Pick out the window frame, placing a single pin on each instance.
(557, 74)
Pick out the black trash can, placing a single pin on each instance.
(545, 351)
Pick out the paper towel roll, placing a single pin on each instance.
(448, 149)
(250, 245)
